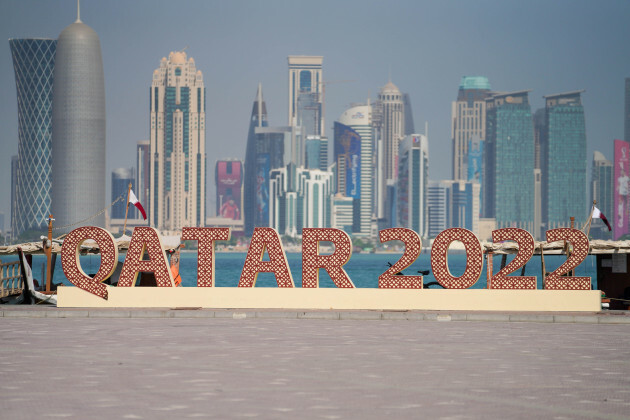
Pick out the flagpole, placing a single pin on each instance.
(590, 219)
(126, 209)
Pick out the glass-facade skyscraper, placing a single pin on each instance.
(509, 161)
(33, 63)
(602, 191)
(412, 183)
(468, 115)
(177, 98)
(563, 161)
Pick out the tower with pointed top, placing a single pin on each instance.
(78, 128)
(177, 145)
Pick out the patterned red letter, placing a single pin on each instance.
(265, 238)
(333, 263)
(72, 266)
(205, 250)
(145, 238)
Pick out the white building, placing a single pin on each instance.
(299, 198)
(359, 118)
(412, 183)
(178, 156)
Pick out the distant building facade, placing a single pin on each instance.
(412, 183)
(390, 129)
(300, 198)
(358, 119)
(602, 191)
(306, 94)
(178, 151)
(626, 118)
(143, 172)
(509, 161)
(468, 120)
(78, 134)
(563, 161)
(316, 153)
(453, 204)
(229, 181)
(121, 178)
(33, 63)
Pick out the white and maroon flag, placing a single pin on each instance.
(597, 214)
(133, 200)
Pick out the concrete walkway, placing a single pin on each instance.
(235, 364)
(41, 311)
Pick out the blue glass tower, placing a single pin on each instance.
(33, 62)
(509, 161)
(563, 161)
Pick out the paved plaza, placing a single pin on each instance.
(239, 367)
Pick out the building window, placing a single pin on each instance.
(305, 81)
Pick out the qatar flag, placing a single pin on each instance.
(597, 214)
(133, 200)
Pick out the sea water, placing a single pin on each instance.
(363, 269)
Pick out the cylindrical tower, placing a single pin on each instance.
(78, 146)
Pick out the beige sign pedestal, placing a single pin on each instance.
(333, 298)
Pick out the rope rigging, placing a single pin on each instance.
(121, 197)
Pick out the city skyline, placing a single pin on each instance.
(419, 45)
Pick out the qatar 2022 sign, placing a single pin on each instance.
(146, 240)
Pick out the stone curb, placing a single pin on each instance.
(608, 317)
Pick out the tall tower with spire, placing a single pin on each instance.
(78, 132)
(177, 145)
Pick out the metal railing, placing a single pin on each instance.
(11, 281)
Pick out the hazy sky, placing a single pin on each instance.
(547, 46)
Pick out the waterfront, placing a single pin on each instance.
(363, 269)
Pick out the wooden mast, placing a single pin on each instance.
(126, 209)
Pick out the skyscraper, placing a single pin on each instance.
(229, 181)
(33, 62)
(306, 94)
(267, 148)
(143, 172)
(78, 134)
(602, 191)
(509, 161)
(413, 178)
(468, 114)
(410, 127)
(316, 153)
(359, 119)
(299, 198)
(390, 128)
(563, 161)
(178, 144)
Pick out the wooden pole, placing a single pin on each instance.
(126, 209)
(590, 218)
(489, 271)
(542, 264)
(48, 251)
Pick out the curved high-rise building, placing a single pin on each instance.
(33, 62)
(78, 148)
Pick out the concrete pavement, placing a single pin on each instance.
(165, 364)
